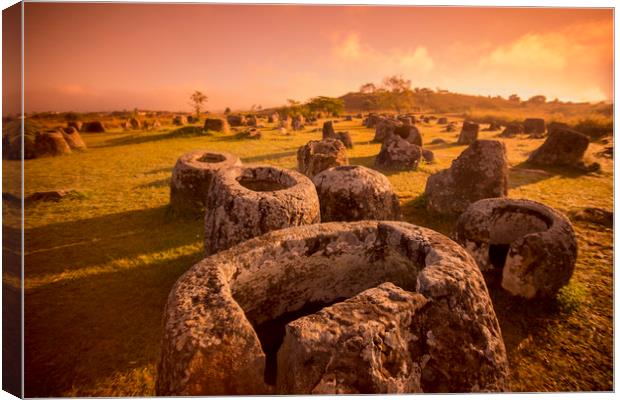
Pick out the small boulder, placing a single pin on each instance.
(428, 156)
(235, 120)
(179, 120)
(442, 121)
(438, 141)
(345, 138)
(135, 124)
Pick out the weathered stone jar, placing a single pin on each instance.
(431, 329)
(249, 201)
(355, 193)
(192, 176)
(531, 245)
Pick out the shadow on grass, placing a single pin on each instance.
(80, 332)
(160, 183)
(184, 131)
(69, 246)
(525, 173)
(269, 157)
(414, 211)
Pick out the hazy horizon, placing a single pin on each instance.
(103, 57)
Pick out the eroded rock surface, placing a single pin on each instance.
(479, 172)
(73, 138)
(531, 245)
(355, 193)
(51, 143)
(93, 127)
(214, 339)
(362, 345)
(244, 202)
(319, 155)
(192, 176)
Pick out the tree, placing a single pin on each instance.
(331, 105)
(514, 98)
(198, 98)
(396, 84)
(538, 99)
(368, 88)
(227, 110)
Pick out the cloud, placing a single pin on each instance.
(352, 52)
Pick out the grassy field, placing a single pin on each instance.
(99, 266)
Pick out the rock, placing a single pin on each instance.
(563, 147)
(319, 155)
(372, 120)
(531, 245)
(512, 130)
(52, 195)
(156, 124)
(428, 155)
(348, 118)
(217, 125)
(553, 126)
(384, 129)
(135, 124)
(93, 127)
(251, 121)
(221, 316)
(438, 141)
(73, 138)
(493, 126)
(51, 143)
(469, 133)
(250, 134)
(287, 122)
(191, 119)
(192, 176)
(607, 152)
(479, 172)
(298, 123)
(398, 154)
(534, 126)
(179, 120)
(594, 215)
(273, 118)
(442, 121)
(345, 138)
(328, 130)
(75, 124)
(410, 133)
(355, 193)
(244, 202)
(450, 128)
(235, 120)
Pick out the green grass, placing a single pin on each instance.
(99, 268)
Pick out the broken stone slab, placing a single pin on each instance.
(479, 172)
(530, 244)
(369, 343)
(398, 154)
(192, 176)
(213, 328)
(244, 202)
(355, 193)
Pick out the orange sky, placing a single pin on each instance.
(152, 56)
